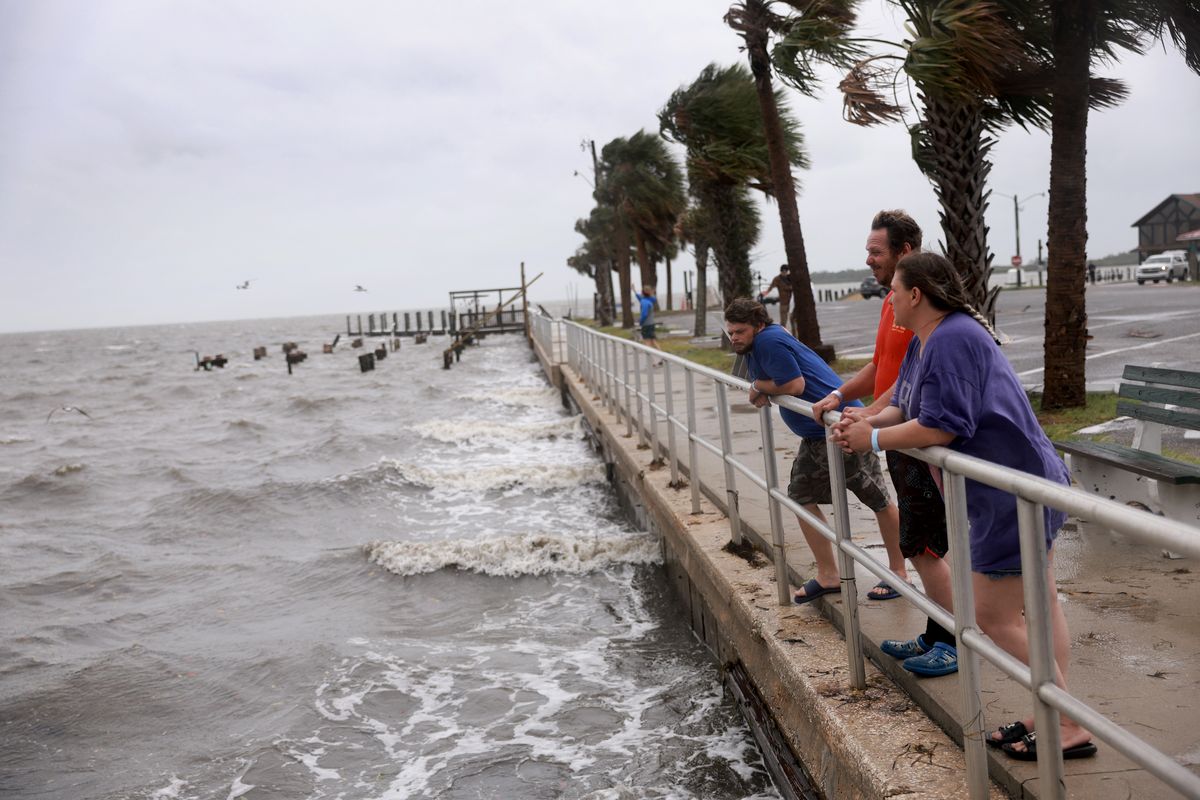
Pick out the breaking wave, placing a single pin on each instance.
(531, 396)
(479, 479)
(460, 431)
(514, 555)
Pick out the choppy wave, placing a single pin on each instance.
(67, 469)
(530, 396)
(460, 431)
(478, 479)
(14, 440)
(517, 554)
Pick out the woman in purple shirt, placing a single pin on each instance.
(957, 390)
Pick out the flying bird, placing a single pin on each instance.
(68, 409)
(245, 284)
(358, 287)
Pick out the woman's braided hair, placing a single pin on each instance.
(937, 279)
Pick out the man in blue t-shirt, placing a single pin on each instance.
(781, 365)
(646, 320)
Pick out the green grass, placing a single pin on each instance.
(1061, 424)
(711, 357)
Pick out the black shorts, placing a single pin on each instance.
(922, 511)
(648, 332)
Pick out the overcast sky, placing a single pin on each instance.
(155, 154)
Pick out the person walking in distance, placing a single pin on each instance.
(646, 319)
(780, 365)
(923, 539)
(783, 284)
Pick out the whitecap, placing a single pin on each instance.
(461, 431)
(517, 554)
(67, 469)
(531, 396)
(480, 479)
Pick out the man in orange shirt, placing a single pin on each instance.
(923, 539)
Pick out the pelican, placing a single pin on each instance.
(244, 284)
(358, 287)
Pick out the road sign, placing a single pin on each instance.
(1016, 261)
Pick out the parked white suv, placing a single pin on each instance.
(1163, 267)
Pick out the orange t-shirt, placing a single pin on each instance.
(891, 343)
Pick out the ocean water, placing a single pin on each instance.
(410, 583)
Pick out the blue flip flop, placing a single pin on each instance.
(812, 590)
(888, 592)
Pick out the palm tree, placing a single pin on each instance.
(977, 67)
(813, 29)
(717, 120)
(595, 258)
(695, 229)
(644, 184)
(1082, 29)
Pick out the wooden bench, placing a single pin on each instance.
(1141, 474)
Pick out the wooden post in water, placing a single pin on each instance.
(430, 321)
(360, 324)
(370, 323)
(443, 320)
(524, 301)
(395, 324)
(348, 331)
(406, 322)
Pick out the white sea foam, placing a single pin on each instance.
(67, 469)
(517, 554)
(14, 440)
(484, 478)
(170, 791)
(530, 396)
(459, 431)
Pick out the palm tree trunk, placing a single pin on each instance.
(604, 311)
(646, 265)
(669, 302)
(730, 244)
(700, 290)
(958, 166)
(784, 189)
(623, 276)
(1066, 310)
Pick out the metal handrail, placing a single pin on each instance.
(1032, 494)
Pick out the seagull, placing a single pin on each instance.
(245, 284)
(358, 287)
(68, 408)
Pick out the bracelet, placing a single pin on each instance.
(839, 394)
(875, 448)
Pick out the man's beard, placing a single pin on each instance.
(741, 351)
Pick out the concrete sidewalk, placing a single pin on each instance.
(1133, 615)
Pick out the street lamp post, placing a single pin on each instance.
(1017, 201)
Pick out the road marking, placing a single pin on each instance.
(1155, 343)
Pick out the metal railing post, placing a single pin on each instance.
(637, 390)
(650, 394)
(841, 524)
(783, 591)
(964, 618)
(731, 494)
(602, 346)
(1031, 523)
(693, 475)
(672, 456)
(611, 351)
(628, 398)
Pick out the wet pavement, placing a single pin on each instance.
(1132, 612)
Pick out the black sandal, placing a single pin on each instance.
(1009, 733)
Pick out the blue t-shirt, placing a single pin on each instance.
(963, 384)
(647, 304)
(778, 356)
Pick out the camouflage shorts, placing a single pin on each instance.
(810, 476)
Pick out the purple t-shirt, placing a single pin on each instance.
(962, 384)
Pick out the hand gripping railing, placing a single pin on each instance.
(593, 358)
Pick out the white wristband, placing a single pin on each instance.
(875, 448)
(839, 394)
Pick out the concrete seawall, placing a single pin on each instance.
(785, 665)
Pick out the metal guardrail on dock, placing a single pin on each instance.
(616, 369)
